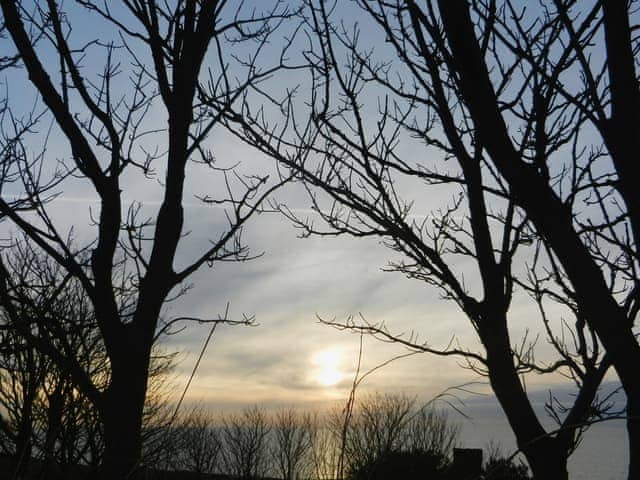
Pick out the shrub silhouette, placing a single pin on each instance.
(429, 465)
(504, 469)
(407, 465)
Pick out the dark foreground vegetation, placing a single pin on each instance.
(384, 436)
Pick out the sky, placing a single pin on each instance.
(289, 357)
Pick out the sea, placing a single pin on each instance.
(601, 455)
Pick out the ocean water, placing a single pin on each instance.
(602, 454)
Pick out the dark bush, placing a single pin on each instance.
(505, 469)
(405, 465)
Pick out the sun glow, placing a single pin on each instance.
(327, 372)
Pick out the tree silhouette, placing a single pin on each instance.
(389, 434)
(44, 415)
(292, 436)
(47, 418)
(246, 444)
(196, 444)
(406, 465)
(487, 91)
(127, 106)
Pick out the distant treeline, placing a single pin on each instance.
(381, 436)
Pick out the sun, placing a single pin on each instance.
(327, 372)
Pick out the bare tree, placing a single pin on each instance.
(376, 430)
(47, 417)
(489, 91)
(291, 439)
(431, 430)
(196, 443)
(21, 375)
(246, 444)
(134, 111)
(598, 251)
(390, 425)
(325, 444)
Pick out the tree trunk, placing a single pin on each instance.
(547, 460)
(546, 457)
(549, 467)
(122, 430)
(121, 412)
(122, 448)
(621, 134)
